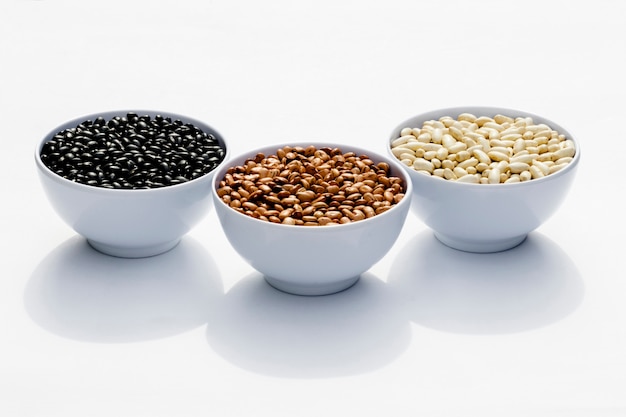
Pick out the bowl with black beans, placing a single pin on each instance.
(311, 217)
(132, 182)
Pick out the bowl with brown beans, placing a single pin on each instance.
(311, 217)
(132, 182)
(485, 177)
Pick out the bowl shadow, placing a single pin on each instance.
(78, 293)
(527, 287)
(263, 330)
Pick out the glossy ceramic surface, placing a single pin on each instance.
(129, 223)
(486, 217)
(312, 260)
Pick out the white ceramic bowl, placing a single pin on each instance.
(312, 260)
(486, 217)
(130, 223)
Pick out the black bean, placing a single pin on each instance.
(151, 157)
(113, 123)
(54, 156)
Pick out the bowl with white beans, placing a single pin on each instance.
(311, 217)
(485, 177)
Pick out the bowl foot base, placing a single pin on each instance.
(480, 246)
(133, 252)
(312, 290)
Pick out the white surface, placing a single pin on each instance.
(538, 331)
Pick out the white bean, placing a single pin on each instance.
(449, 174)
(467, 117)
(482, 156)
(424, 137)
(446, 163)
(448, 141)
(518, 167)
(463, 156)
(494, 176)
(469, 178)
(497, 156)
(397, 151)
(502, 119)
(470, 162)
(413, 145)
(494, 125)
(474, 136)
(407, 155)
(437, 135)
(554, 168)
(545, 169)
(564, 152)
(535, 172)
(442, 153)
(422, 164)
(457, 147)
(501, 149)
(502, 143)
(565, 160)
(456, 132)
(459, 172)
(400, 141)
(526, 158)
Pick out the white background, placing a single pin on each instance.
(536, 331)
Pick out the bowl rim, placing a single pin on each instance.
(454, 112)
(345, 147)
(108, 114)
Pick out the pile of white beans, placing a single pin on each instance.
(484, 150)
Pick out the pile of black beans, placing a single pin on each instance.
(132, 152)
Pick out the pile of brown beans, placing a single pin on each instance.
(311, 187)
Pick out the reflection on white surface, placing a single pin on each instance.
(79, 293)
(263, 330)
(527, 287)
